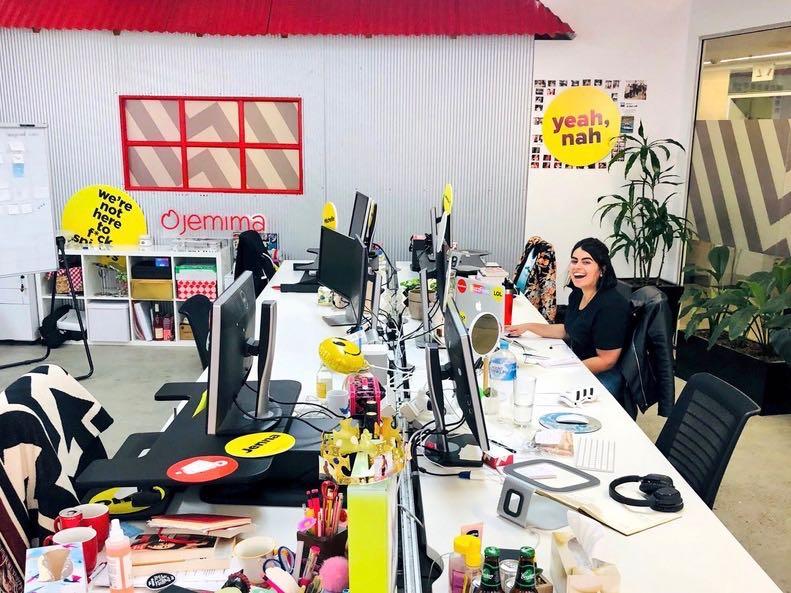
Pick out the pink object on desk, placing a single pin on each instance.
(334, 574)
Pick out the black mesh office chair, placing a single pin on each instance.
(197, 310)
(702, 431)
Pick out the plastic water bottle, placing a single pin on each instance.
(502, 380)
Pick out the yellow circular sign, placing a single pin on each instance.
(498, 292)
(580, 125)
(260, 444)
(103, 214)
(329, 216)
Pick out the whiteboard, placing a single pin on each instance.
(27, 227)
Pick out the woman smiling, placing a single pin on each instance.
(597, 317)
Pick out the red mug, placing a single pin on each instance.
(97, 517)
(78, 535)
(68, 518)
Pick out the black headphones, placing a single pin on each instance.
(660, 494)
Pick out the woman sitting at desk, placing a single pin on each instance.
(597, 318)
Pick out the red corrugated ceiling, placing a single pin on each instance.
(291, 17)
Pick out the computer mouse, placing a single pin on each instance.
(571, 419)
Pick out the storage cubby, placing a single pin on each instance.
(115, 279)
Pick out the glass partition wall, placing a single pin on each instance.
(736, 311)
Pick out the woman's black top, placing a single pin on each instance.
(601, 325)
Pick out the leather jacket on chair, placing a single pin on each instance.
(647, 361)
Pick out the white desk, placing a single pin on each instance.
(696, 549)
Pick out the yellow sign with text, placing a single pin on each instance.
(260, 444)
(447, 199)
(329, 216)
(103, 214)
(580, 125)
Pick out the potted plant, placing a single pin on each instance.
(747, 335)
(643, 228)
(411, 290)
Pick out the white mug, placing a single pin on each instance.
(252, 553)
(337, 401)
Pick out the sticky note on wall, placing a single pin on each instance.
(373, 535)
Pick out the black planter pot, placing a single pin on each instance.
(672, 291)
(766, 383)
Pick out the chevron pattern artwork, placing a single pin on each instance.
(740, 185)
(212, 144)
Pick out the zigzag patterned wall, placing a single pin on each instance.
(740, 187)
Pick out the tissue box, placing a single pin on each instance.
(568, 577)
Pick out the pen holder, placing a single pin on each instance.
(329, 546)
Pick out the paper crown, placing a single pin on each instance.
(384, 452)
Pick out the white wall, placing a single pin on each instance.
(616, 39)
(393, 117)
(621, 39)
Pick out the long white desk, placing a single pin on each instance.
(695, 553)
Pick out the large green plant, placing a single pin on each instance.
(696, 297)
(757, 309)
(642, 224)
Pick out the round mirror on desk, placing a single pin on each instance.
(484, 333)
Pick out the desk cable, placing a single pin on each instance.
(256, 418)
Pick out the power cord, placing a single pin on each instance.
(301, 403)
(257, 419)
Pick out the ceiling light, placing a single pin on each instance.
(758, 57)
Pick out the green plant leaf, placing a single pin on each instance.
(777, 304)
(782, 274)
(640, 131)
(739, 322)
(718, 258)
(631, 160)
(782, 322)
(717, 332)
(757, 290)
(655, 163)
(781, 343)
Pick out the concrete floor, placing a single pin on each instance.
(126, 378)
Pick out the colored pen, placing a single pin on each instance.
(310, 564)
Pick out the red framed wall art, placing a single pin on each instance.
(212, 144)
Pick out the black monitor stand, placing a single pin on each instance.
(442, 448)
(186, 437)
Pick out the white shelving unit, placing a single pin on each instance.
(125, 258)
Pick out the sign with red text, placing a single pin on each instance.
(182, 223)
(580, 125)
(103, 214)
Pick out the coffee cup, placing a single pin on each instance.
(338, 401)
(67, 518)
(97, 517)
(252, 553)
(86, 536)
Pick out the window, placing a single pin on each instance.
(212, 144)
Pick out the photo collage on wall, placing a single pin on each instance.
(627, 94)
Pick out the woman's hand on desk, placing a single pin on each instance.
(543, 330)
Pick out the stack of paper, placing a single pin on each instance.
(222, 526)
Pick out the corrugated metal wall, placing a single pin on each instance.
(396, 118)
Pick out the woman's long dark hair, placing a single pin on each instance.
(601, 255)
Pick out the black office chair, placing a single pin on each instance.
(702, 431)
(197, 310)
(253, 255)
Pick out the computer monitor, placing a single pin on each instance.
(359, 220)
(446, 451)
(343, 268)
(232, 346)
